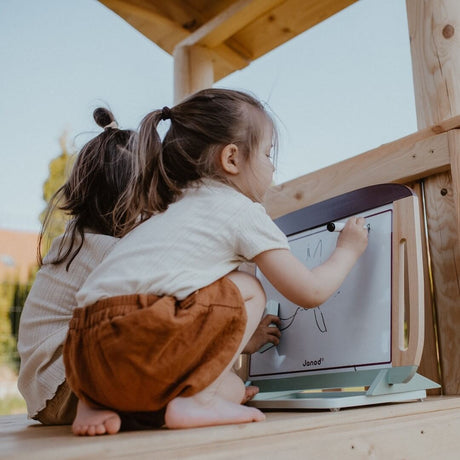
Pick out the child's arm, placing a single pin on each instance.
(264, 334)
(310, 288)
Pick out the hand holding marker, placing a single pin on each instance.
(338, 226)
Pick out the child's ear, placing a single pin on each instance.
(230, 159)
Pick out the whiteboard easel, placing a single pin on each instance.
(370, 333)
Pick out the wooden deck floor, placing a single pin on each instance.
(417, 430)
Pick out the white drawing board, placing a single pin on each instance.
(353, 328)
(369, 335)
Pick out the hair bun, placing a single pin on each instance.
(103, 117)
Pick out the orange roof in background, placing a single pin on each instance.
(18, 254)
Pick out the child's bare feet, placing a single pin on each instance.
(249, 393)
(91, 422)
(188, 413)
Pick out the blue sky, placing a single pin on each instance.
(339, 89)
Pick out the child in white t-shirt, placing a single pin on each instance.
(165, 315)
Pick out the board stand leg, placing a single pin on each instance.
(378, 392)
(380, 385)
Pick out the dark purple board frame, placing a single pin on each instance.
(342, 206)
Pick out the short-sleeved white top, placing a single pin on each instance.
(203, 236)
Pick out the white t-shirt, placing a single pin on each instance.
(45, 319)
(203, 236)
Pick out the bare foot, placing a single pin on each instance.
(249, 393)
(90, 421)
(188, 413)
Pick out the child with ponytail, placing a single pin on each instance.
(99, 178)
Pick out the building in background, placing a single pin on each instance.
(18, 255)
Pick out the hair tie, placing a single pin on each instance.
(112, 124)
(165, 113)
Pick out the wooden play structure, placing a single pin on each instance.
(209, 39)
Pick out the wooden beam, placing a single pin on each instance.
(166, 32)
(163, 31)
(445, 265)
(237, 31)
(286, 21)
(211, 36)
(229, 60)
(193, 61)
(429, 364)
(410, 158)
(229, 21)
(435, 50)
(454, 152)
(193, 70)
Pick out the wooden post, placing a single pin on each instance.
(435, 49)
(429, 364)
(193, 70)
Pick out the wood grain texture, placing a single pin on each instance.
(435, 50)
(454, 152)
(407, 284)
(402, 161)
(193, 70)
(434, 29)
(284, 22)
(222, 26)
(237, 31)
(408, 430)
(445, 264)
(429, 363)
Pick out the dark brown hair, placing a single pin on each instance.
(201, 126)
(99, 178)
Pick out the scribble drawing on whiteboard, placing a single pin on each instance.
(352, 328)
(286, 323)
(289, 320)
(317, 251)
(319, 319)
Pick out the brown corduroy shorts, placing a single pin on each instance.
(138, 352)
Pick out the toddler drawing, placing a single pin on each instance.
(164, 316)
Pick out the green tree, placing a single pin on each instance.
(7, 342)
(20, 291)
(12, 292)
(59, 169)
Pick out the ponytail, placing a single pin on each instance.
(153, 189)
(200, 128)
(99, 179)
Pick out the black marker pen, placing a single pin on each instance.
(338, 226)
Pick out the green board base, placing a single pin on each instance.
(379, 391)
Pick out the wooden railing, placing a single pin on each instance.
(434, 154)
